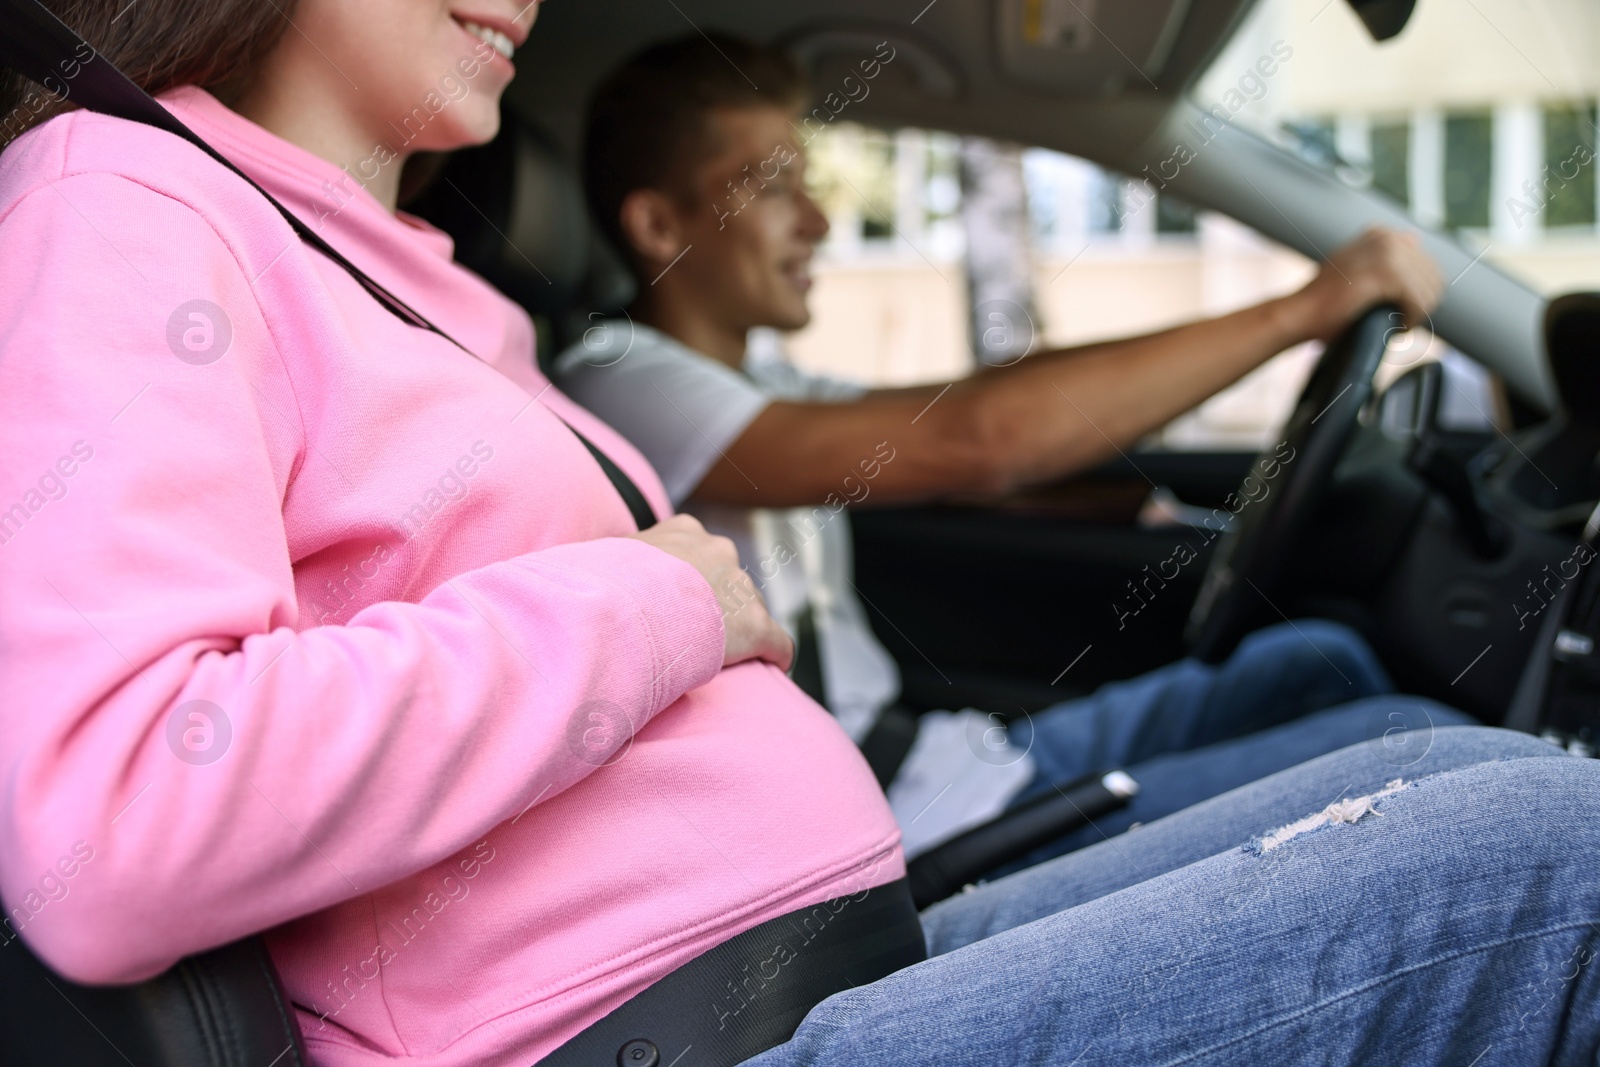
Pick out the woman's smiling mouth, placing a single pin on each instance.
(496, 39)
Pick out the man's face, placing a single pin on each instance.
(752, 227)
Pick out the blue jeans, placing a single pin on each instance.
(1190, 731)
(1453, 921)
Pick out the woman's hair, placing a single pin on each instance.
(159, 44)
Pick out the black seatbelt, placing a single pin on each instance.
(806, 671)
(40, 46)
(889, 741)
(644, 516)
(750, 993)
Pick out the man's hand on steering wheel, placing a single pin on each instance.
(1380, 266)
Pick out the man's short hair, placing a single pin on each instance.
(649, 123)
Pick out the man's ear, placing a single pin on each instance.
(653, 225)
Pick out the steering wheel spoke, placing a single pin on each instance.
(1284, 487)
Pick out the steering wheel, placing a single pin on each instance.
(1286, 482)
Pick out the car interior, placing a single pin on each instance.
(1438, 544)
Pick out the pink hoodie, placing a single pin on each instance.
(311, 621)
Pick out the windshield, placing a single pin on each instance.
(1479, 117)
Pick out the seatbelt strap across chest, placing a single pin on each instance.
(41, 47)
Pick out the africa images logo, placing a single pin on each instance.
(199, 332)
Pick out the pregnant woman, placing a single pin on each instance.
(323, 614)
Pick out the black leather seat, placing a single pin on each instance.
(224, 1008)
(516, 211)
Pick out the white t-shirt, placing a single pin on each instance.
(683, 410)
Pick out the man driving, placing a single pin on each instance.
(770, 455)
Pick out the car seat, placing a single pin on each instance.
(517, 213)
(223, 1008)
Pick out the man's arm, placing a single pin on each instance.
(1054, 412)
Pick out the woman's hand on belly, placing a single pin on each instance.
(749, 631)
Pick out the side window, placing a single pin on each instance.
(1101, 256)
(1104, 258)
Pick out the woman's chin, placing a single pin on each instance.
(471, 126)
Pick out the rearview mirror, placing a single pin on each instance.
(1383, 18)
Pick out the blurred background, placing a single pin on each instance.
(1473, 119)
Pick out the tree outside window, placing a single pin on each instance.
(1391, 160)
(1467, 147)
(1569, 141)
